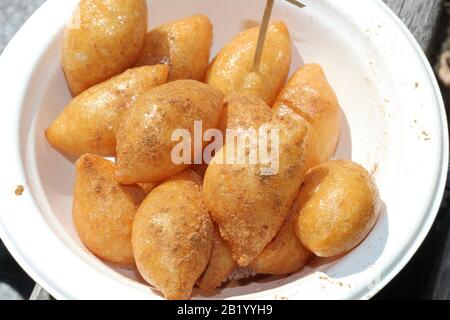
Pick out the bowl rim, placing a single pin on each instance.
(440, 185)
(16, 171)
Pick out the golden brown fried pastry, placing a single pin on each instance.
(220, 266)
(200, 169)
(103, 39)
(173, 237)
(144, 139)
(309, 94)
(188, 174)
(184, 45)
(103, 210)
(231, 71)
(147, 187)
(244, 112)
(250, 205)
(313, 150)
(90, 121)
(240, 112)
(340, 205)
(285, 254)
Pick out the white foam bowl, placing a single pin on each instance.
(394, 124)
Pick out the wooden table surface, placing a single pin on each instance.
(420, 16)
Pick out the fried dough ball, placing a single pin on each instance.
(285, 254)
(191, 175)
(220, 266)
(184, 45)
(231, 70)
(244, 112)
(173, 237)
(309, 94)
(340, 205)
(240, 112)
(90, 121)
(103, 210)
(250, 205)
(147, 187)
(103, 39)
(313, 150)
(200, 169)
(144, 139)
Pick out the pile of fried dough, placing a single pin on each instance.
(184, 226)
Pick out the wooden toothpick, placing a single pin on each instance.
(296, 3)
(262, 35)
(263, 31)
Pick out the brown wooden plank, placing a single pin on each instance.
(420, 16)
